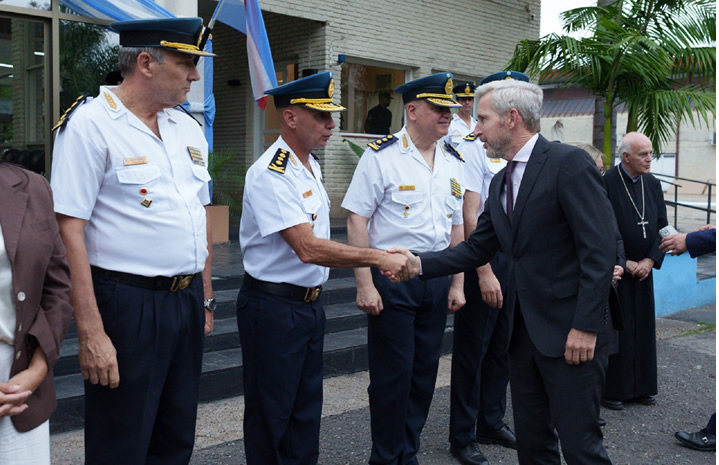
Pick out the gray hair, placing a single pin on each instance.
(127, 58)
(524, 97)
(625, 146)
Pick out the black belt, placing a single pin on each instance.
(164, 283)
(305, 294)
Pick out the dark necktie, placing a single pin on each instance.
(510, 188)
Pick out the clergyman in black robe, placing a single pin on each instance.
(638, 203)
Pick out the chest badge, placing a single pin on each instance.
(405, 213)
(455, 187)
(196, 156)
(146, 202)
(307, 194)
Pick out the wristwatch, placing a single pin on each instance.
(211, 304)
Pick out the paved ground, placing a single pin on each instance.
(638, 435)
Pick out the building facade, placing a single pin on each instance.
(371, 46)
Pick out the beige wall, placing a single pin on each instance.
(419, 36)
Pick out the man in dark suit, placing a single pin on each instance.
(699, 242)
(544, 212)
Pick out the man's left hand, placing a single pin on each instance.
(644, 267)
(580, 346)
(209, 321)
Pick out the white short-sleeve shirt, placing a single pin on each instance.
(142, 196)
(408, 204)
(479, 169)
(458, 129)
(275, 200)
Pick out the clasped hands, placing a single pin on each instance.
(399, 265)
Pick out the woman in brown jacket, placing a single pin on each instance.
(35, 313)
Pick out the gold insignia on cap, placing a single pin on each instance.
(448, 86)
(331, 88)
(109, 100)
(467, 89)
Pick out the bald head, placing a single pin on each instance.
(636, 151)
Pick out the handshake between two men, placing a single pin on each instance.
(402, 266)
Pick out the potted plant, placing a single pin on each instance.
(226, 193)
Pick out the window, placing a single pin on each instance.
(372, 106)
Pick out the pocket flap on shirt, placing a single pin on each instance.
(138, 174)
(407, 197)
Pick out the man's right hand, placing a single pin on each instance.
(369, 300)
(98, 359)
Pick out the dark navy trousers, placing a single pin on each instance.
(404, 343)
(480, 363)
(282, 341)
(150, 417)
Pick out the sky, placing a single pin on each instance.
(551, 10)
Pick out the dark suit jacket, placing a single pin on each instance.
(40, 271)
(561, 247)
(701, 242)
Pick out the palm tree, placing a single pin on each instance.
(650, 55)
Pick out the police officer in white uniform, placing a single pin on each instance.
(462, 122)
(407, 191)
(284, 232)
(130, 183)
(480, 363)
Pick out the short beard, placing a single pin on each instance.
(500, 147)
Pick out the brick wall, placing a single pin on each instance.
(466, 37)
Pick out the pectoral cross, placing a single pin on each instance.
(644, 231)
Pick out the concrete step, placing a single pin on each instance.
(344, 352)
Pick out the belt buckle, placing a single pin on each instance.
(312, 294)
(180, 283)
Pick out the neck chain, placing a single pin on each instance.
(642, 222)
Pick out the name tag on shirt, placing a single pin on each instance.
(307, 194)
(134, 161)
(406, 188)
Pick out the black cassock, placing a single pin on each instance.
(632, 372)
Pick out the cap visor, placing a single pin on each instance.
(324, 106)
(464, 95)
(441, 102)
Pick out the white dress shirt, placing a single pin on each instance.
(408, 204)
(143, 196)
(8, 317)
(275, 201)
(522, 157)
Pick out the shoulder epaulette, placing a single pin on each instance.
(183, 109)
(279, 161)
(66, 116)
(470, 136)
(382, 143)
(452, 151)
